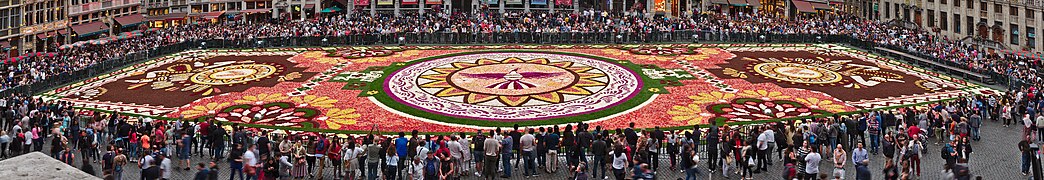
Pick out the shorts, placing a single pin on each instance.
(478, 156)
(335, 162)
(184, 153)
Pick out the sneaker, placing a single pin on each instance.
(605, 177)
(477, 174)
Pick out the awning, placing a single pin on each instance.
(41, 35)
(129, 20)
(52, 34)
(213, 15)
(63, 32)
(5, 44)
(755, 3)
(171, 16)
(719, 1)
(738, 2)
(803, 6)
(248, 11)
(822, 6)
(309, 6)
(89, 28)
(331, 9)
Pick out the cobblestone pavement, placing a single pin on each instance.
(996, 157)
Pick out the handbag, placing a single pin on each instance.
(750, 161)
(249, 170)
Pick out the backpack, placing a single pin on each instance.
(431, 166)
(812, 138)
(945, 154)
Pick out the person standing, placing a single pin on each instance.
(250, 162)
(166, 166)
(478, 153)
(812, 163)
(186, 150)
(528, 143)
(552, 150)
(373, 158)
(600, 150)
(492, 148)
(402, 151)
(619, 162)
(763, 140)
(712, 147)
(235, 162)
(392, 160)
(202, 172)
(505, 155)
(840, 158)
(1027, 154)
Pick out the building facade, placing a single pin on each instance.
(91, 19)
(10, 24)
(43, 22)
(991, 24)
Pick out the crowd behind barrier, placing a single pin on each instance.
(36, 74)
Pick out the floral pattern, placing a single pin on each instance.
(320, 103)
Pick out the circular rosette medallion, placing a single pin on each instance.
(528, 88)
(234, 74)
(797, 73)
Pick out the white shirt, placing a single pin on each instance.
(167, 170)
(812, 166)
(28, 138)
(249, 158)
(619, 162)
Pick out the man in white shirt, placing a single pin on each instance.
(165, 165)
(528, 146)
(812, 159)
(763, 145)
(249, 159)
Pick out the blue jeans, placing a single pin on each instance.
(874, 142)
(530, 167)
(371, 171)
(236, 167)
(505, 161)
(1026, 160)
(597, 166)
(975, 133)
(690, 173)
(133, 150)
(833, 143)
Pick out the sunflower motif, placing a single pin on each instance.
(824, 104)
(336, 118)
(763, 94)
(313, 100)
(713, 96)
(206, 109)
(512, 81)
(692, 114)
(261, 98)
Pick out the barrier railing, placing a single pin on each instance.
(456, 39)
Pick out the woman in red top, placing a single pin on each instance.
(334, 153)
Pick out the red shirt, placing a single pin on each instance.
(204, 128)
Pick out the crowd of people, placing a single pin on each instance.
(160, 147)
(35, 68)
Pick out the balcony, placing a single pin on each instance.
(98, 6)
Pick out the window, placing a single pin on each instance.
(997, 8)
(1031, 40)
(970, 4)
(934, 1)
(888, 8)
(969, 25)
(942, 1)
(1014, 11)
(942, 20)
(1014, 34)
(956, 3)
(1030, 14)
(983, 6)
(957, 23)
(931, 18)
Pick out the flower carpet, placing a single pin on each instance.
(440, 89)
